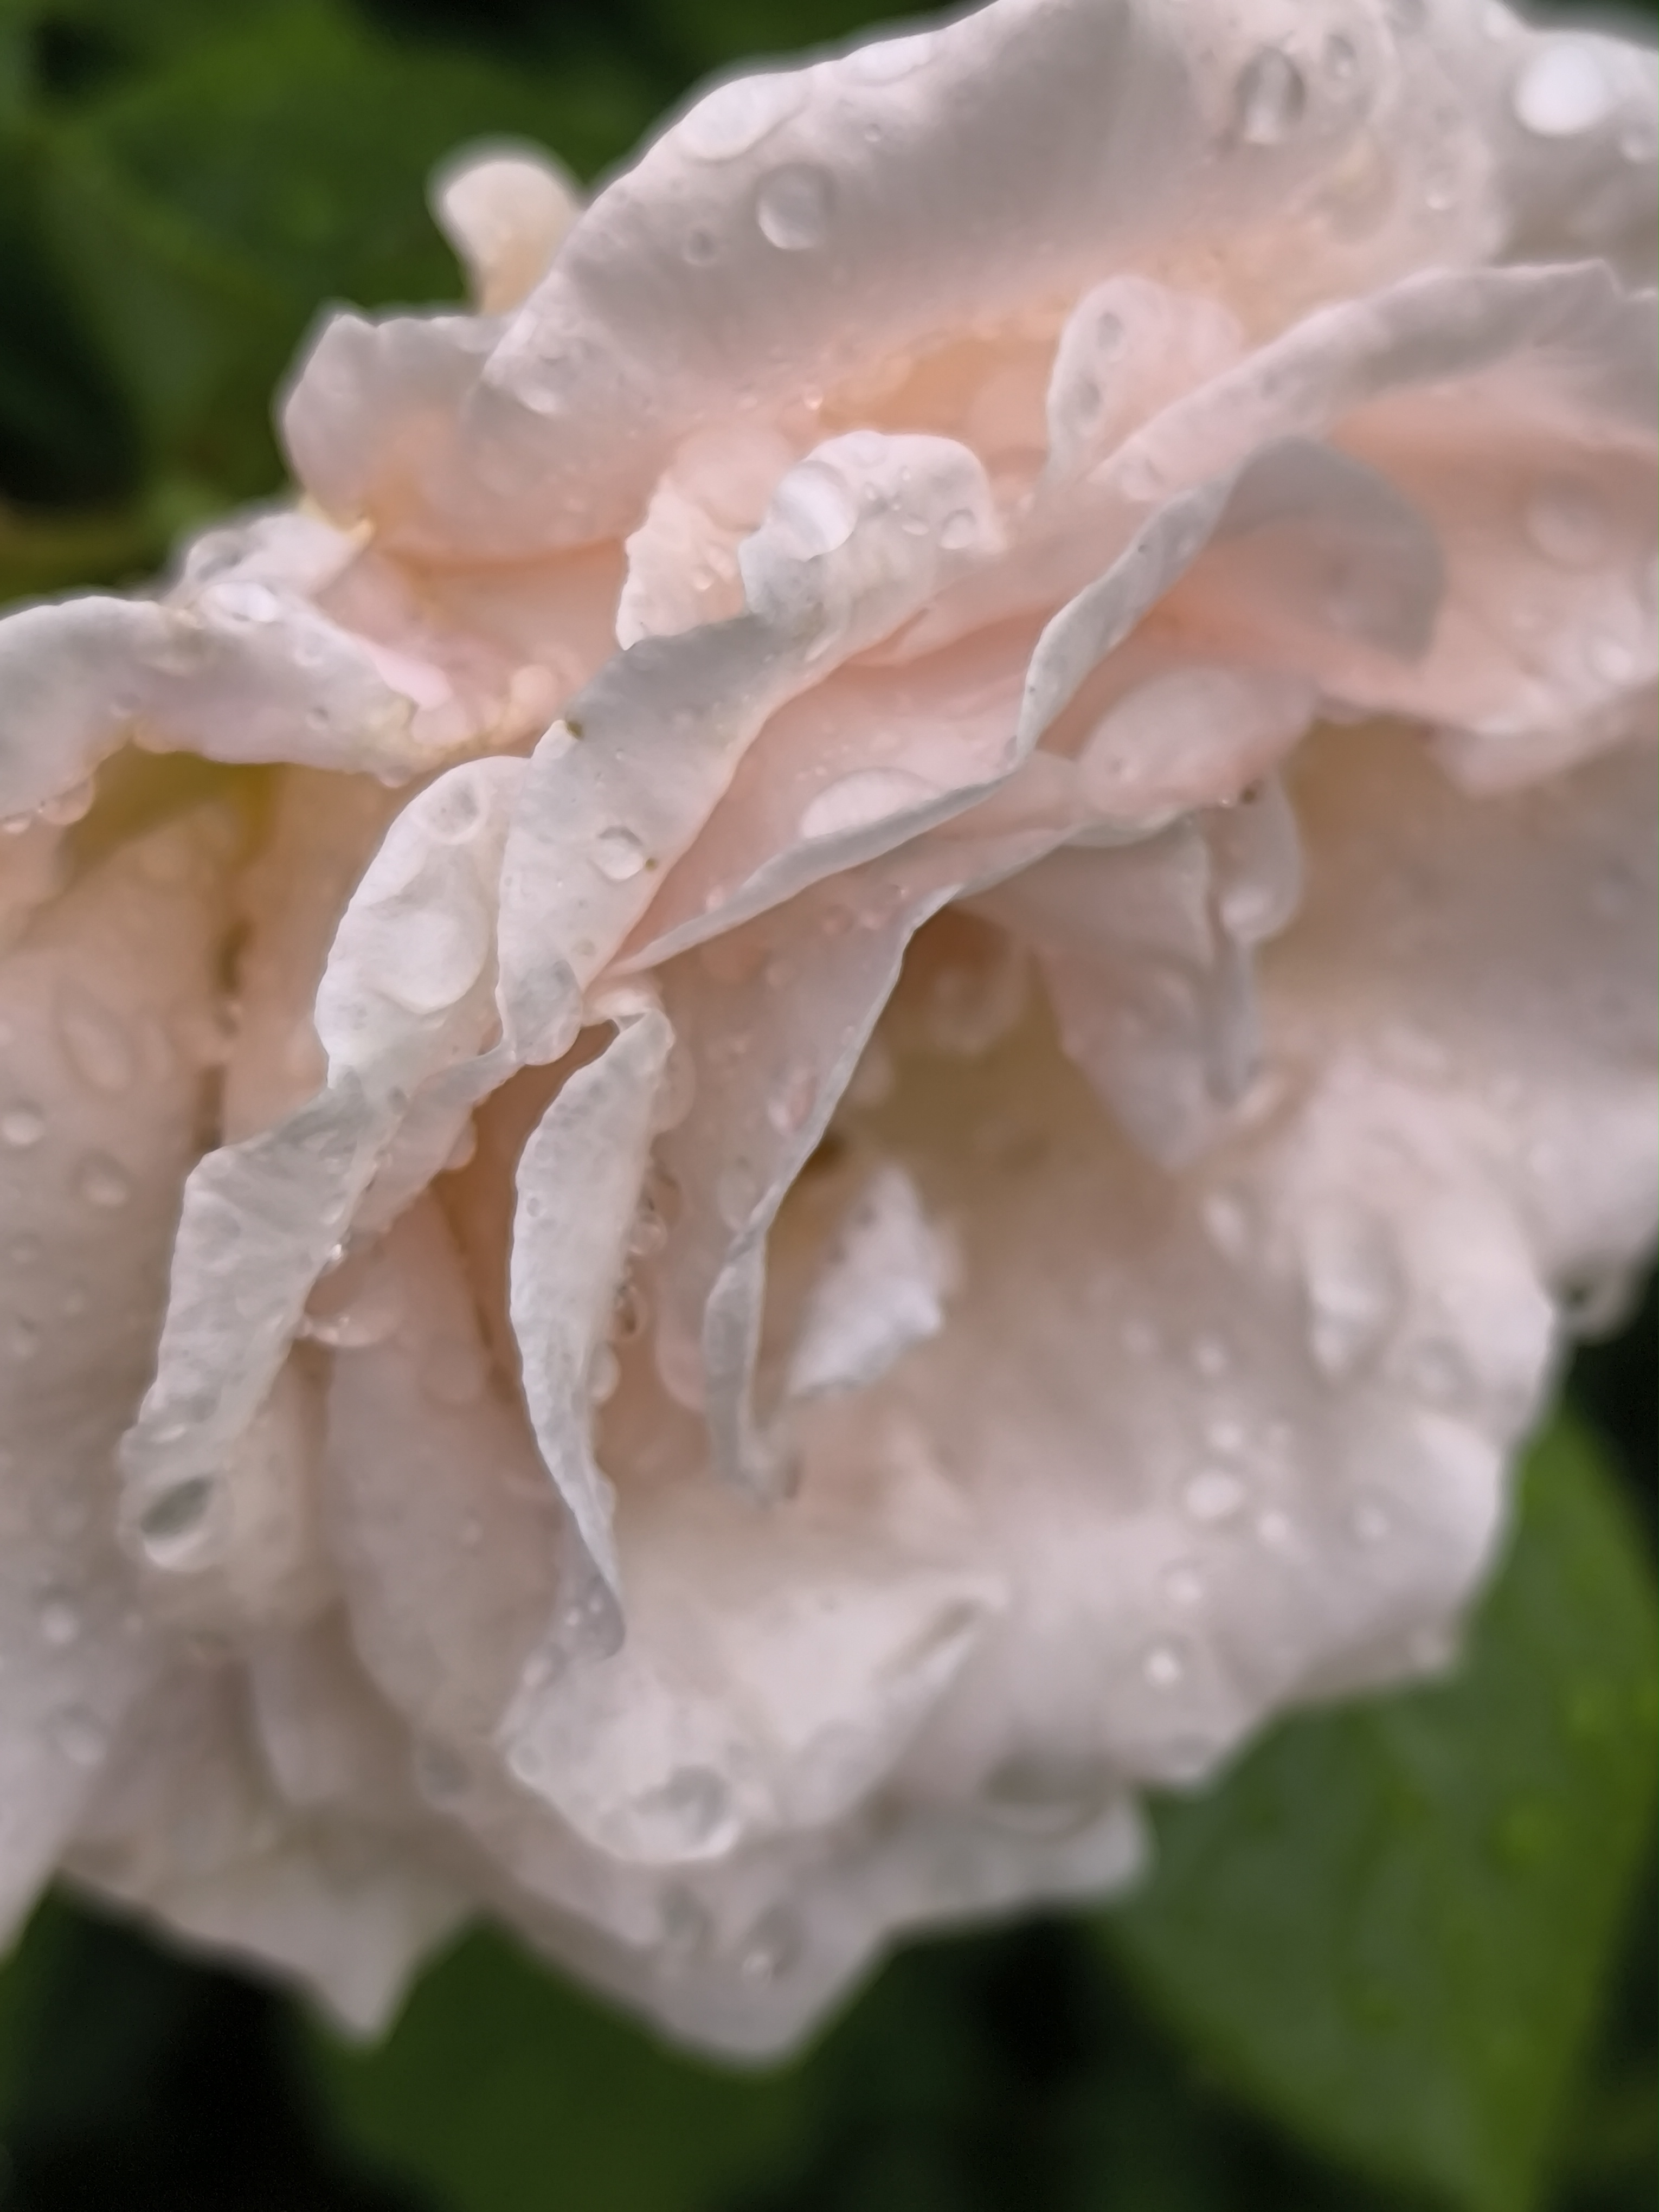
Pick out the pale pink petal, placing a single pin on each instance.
(580, 1183)
(444, 1522)
(1199, 1451)
(506, 209)
(407, 992)
(1128, 138)
(346, 1908)
(777, 1663)
(1146, 950)
(855, 539)
(97, 1105)
(242, 671)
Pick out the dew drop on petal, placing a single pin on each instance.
(22, 1125)
(67, 807)
(618, 855)
(868, 795)
(792, 207)
(168, 1524)
(736, 117)
(770, 1948)
(1164, 1667)
(603, 1374)
(1213, 1495)
(102, 1181)
(60, 1622)
(1562, 90)
(1269, 98)
(1184, 1585)
(888, 60)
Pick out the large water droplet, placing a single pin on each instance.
(869, 795)
(959, 529)
(734, 117)
(244, 602)
(792, 207)
(169, 1525)
(1352, 1287)
(1269, 99)
(1562, 90)
(618, 855)
(1163, 1668)
(603, 1374)
(691, 1816)
(348, 1312)
(22, 1125)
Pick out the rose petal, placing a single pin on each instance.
(98, 1106)
(407, 990)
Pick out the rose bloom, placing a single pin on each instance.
(830, 1070)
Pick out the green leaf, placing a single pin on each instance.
(1389, 1927)
(501, 2089)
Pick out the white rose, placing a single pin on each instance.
(957, 1186)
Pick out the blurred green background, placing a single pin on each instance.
(1401, 1958)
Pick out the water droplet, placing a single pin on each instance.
(95, 1042)
(103, 1182)
(1562, 90)
(1369, 1521)
(1638, 141)
(604, 1373)
(701, 246)
(1184, 1585)
(618, 855)
(170, 1523)
(792, 207)
(813, 513)
(692, 1815)
(1611, 658)
(1275, 1531)
(1352, 1285)
(67, 807)
(889, 59)
(789, 1107)
(1567, 522)
(1213, 1495)
(1164, 1667)
(22, 1125)
(348, 1311)
(770, 1948)
(868, 795)
(1036, 1795)
(1224, 1433)
(244, 602)
(1226, 1223)
(735, 117)
(1342, 57)
(629, 1312)
(23, 1340)
(959, 529)
(737, 1189)
(1269, 99)
(60, 1621)
(1140, 1340)
(77, 1737)
(1211, 1357)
